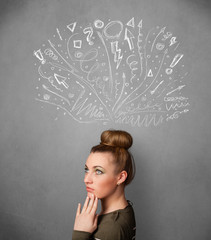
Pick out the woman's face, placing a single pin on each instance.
(100, 177)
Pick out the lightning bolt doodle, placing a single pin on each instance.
(117, 53)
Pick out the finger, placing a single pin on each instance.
(85, 204)
(78, 209)
(94, 208)
(96, 219)
(91, 202)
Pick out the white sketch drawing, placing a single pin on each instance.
(113, 71)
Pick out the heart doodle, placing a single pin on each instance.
(113, 71)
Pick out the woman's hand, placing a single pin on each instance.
(86, 220)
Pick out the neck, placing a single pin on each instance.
(114, 202)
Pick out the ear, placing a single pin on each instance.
(122, 177)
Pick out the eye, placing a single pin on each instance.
(98, 172)
(86, 170)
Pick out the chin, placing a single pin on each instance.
(96, 195)
(89, 194)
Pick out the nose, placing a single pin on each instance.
(88, 178)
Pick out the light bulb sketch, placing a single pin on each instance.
(113, 72)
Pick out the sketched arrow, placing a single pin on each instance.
(61, 80)
(129, 36)
(177, 89)
(140, 24)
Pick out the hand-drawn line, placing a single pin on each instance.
(140, 35)
(39, 55)
(58, 95)
(50, 79)
(59, 34)
(68, 42)
(176, 47)
(93, 69)
(77, 43)
(131, 23)
(131, 66)
(160, 46)
(176, 105)
(69, 113)
(128, 37)
(60, 67)
(125, 100)
(98, 24)
(139, 45)
(174, 99)
(154, 90)
(94, 53)
(86, 82)
(161, 31)
(144, 53)
(172, 41)
(141, 62)
(89, 109)
(116, 88)
(109, 63)
(50, 53)
(177, 89)
(89, 32)
(61, 80)
(123, 86)
(166, 36)
(161, 93)
(176, 59)
(81, 79)
(176, 114)
(111, 24)
(147, 108)
(70, 66)
(146, 121)
(117, 53)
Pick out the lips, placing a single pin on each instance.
(89, 189)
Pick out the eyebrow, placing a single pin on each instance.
(94, 166)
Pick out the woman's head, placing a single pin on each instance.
(117, 143)
(100, 175)
(110, 164)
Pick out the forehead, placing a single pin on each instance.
(103, 159)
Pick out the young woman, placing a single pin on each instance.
(108, 169)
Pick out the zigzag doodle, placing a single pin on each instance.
(113, 71)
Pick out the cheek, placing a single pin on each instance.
(105, 187)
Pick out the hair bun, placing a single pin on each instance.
(117, 138)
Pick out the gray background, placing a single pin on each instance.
(42, 160)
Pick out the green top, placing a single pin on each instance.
(117, 225)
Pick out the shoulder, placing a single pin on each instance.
(119, 225)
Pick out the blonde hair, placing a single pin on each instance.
(118, 142)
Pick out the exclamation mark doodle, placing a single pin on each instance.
(39, 55)
(175, 61)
